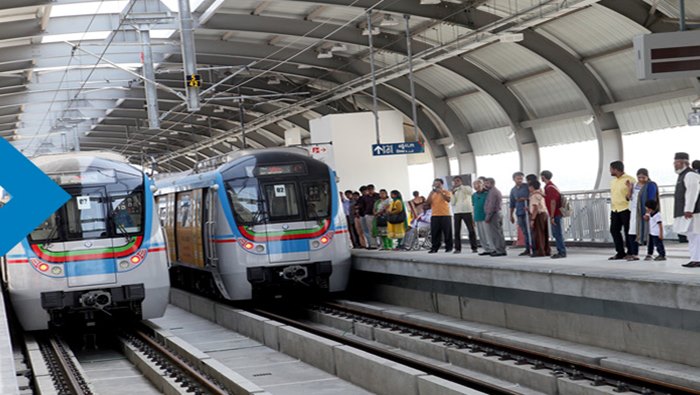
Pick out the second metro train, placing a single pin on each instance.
(259, 224)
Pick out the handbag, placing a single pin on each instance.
(381, 220)
(398, 218)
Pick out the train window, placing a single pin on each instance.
(282, 200)
(85, 217)
(127, 213)
(245, 201)
(47, 231)
(317, 196)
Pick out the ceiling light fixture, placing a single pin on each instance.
(388, 20)
(274, 80)
(338, 47)
(375, 31)
(511, 37)
(324, 55)
(218, 110)
(426, 2)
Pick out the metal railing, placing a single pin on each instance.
(590, 219)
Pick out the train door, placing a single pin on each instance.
(209, 227)
(88, 245)
(284, 222)
(188, 228)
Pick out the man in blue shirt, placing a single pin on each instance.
(519, 196)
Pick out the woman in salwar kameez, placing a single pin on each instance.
(397, 231)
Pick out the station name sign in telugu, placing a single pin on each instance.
(397, 149)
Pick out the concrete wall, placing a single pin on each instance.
(352, 136)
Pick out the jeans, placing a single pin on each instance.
(441, 226)
(632, 245)
(367, 221)
(620, 229)
(469, 221)
(654, 241)
(558, 234)
(524, 226)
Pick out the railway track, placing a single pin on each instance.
(558, 366)
(67, 378)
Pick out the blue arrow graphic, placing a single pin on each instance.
(34, 196)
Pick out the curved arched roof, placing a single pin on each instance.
(571, 78)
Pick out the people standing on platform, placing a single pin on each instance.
(519, 195)
(538, 223)
(463, 210)
(380, 223)
(552, 197)
(440, 221)
(686, 206)
(415, 205)
(478, 201)
(656, 231)
(396, 230)
(494, 218)
(347, 209)
(367, 211)
(620, 192)
(530, 178)
(357, 220)
(642, 191)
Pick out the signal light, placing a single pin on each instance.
(135, 259)
(248, 246)
(325, 240)
(43, 267)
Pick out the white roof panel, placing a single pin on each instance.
(672, 8)
(568, 131)
(506, 60)
(549, 94)
(494, 141)
(649, 117)
(480, 111)
(442, 82)
(593, 30)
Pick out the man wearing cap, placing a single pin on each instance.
(686, 206)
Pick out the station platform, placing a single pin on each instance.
(8, 379)
(645, 308)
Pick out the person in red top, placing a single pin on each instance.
(552, 198)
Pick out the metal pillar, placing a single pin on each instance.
(189, 54)
(682, 15)
(241, 114)
(76, 139)
(374, 76)
(150, 76)
(409, 54)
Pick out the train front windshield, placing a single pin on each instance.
(103, 204)
(275, 198)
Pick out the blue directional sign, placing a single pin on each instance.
(413, 147)
(34, 196)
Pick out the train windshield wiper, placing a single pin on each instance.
(119, 226)
(46, 243)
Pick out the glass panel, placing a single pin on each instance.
(127, 213)
(85, 217)
(317, 196)
(47, 231)
(282, 200)
(245, 201)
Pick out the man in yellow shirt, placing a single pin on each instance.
(620, 192)
(441, 220)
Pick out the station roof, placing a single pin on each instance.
(72, 66)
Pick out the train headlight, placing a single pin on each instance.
(325, 239)
(56, 271)
(135, 259)
(315, 244)
(123, 265)
(43, 267)
(248, 246)
(260, 248)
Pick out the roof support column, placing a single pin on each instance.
(150, 77)
(189, 54)
(530, 158)
(610, 149)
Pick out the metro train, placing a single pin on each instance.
(101, 256)
(255, 224)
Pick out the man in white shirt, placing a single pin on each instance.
(463, 210)
(686, 207)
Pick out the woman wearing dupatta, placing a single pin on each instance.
(397, 231)
(379, 226)
(642, 191)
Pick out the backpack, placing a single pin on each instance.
(566, 210)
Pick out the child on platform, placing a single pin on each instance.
(656, 232)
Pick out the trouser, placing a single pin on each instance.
(694, 245)
(353, 233)
(524, 226)
(632, 245)
(468, 219)
(441, 226)
(367, 223)
(558, 236)
(540, 235)
(620, 229)
(483, 229)
(496, 237)
(360, 233)
(655, 241)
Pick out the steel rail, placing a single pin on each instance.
(598, 374)
(435, 370)
(74, 382)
